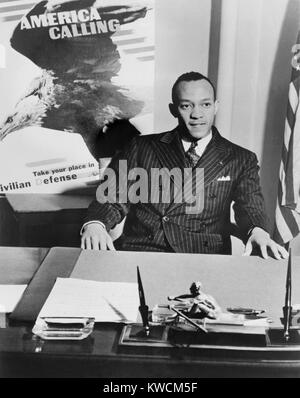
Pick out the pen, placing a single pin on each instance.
(199, 327)
(143, 308)
(245, 311)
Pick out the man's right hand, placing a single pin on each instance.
(95, 237)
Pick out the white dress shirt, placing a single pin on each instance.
(201, 144)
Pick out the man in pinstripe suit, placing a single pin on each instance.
(230, 175)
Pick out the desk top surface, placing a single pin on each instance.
(35, 203)
(18, 264)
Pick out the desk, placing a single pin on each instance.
(232, 280)
(48, 209)
(18, 264)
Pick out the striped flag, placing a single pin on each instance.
(287, 218)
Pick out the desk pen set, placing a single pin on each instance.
(196, 320)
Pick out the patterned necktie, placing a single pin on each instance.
(191, 155)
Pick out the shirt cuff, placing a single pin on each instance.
(91, 222)
(252, 228)
(250, 232)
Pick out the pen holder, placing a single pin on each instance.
(276, 336)
(294, 316)
(51, 328)
(161, 314)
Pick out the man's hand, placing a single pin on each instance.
(261, 238)
(95, 237)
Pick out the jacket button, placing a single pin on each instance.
(212, 195)
(165, 218)
(150, 236)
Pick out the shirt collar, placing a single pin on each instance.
(201, 144)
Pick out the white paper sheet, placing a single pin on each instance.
(104, 301)
(10, 296)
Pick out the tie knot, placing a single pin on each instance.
(193, 146)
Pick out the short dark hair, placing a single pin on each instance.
(189, 77)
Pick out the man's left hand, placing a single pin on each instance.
(261, 238)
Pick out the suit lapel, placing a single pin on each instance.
(215, 157)
(169, 150)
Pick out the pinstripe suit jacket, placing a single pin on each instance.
(230, 175)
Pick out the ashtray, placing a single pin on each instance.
(56, 328)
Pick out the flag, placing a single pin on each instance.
(287, 217)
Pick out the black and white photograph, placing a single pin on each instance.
(149, 192)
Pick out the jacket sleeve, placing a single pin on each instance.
(111, 204)
(249, 205)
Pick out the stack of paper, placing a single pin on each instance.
(104, 301)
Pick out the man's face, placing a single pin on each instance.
(195, 107)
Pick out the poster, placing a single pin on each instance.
(74, 90)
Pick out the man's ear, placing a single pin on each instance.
(216, 106)
(173, 110)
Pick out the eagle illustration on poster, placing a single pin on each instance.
(96, 70)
